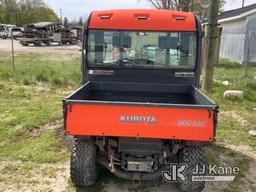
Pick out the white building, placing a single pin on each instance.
(238, 39)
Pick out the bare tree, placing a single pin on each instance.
(199, 7)
(243, 1)
(183, 5)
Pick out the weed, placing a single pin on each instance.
(31, 97)
(229, 129)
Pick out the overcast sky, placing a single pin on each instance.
(73, 9)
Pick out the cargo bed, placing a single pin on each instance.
(140, 94)
(124, 109)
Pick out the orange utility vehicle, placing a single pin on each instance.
(140, 108)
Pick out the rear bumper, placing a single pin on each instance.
(129, 175)
(140, 122)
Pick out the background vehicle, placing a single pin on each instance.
(77, 32)
(140, 108)
(2, 29)
(47, 33)
(17, 32)
(5, 30)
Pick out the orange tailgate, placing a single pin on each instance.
(139, 121)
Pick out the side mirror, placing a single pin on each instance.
(168, 42)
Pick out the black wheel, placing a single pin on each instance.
(48, 43)
(83, 166)
(37, 43)
(24, 44)
(192, 156)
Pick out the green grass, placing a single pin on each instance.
(34, 68)
(231, 129)
(31, 96)
(36, 149)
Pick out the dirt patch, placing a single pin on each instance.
(245, 150)
(54, 126)
(5, 45)
(159, 186)
(250, 176)
(236, 117)
(28, 177)
(245, 158)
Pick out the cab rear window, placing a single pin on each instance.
(133, 49)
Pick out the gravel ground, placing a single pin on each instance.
(5, 45)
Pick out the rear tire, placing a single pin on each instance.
(83, 166)
(192, 156)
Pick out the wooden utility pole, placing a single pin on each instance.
(211, 37)
(248, 48)
(243, 3)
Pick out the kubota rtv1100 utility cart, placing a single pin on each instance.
(139, 108)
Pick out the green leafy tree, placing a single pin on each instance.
(1, 10)
(21, 12)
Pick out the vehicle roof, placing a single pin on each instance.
(143, 19)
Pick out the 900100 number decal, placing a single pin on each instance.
(189, 123)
